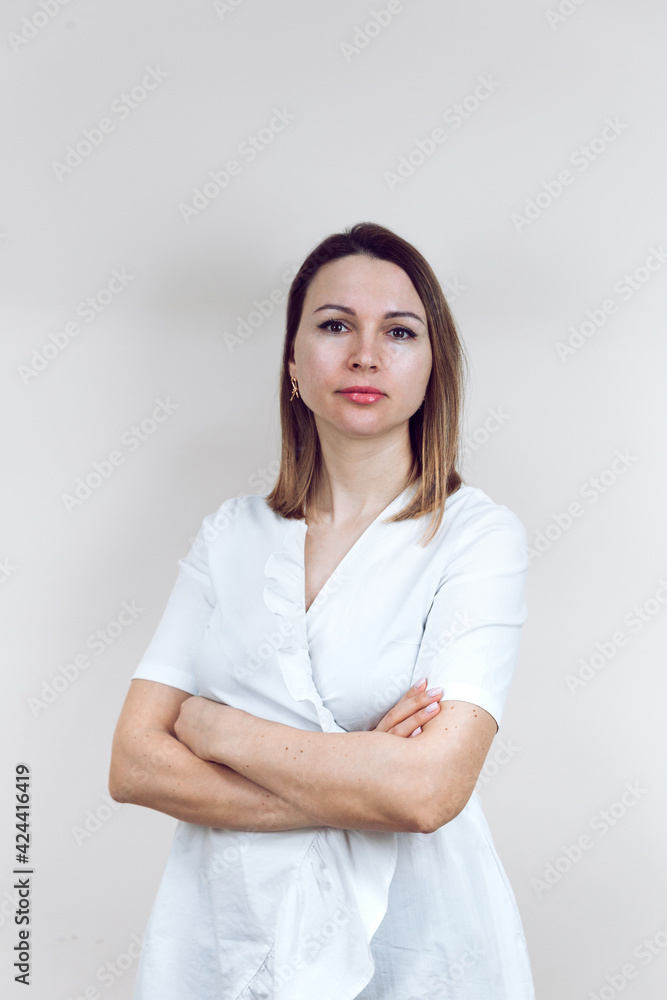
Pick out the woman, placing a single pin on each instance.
(331, 844)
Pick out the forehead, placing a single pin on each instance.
(358, 280)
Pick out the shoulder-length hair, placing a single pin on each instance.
(434, 428)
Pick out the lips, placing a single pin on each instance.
(363, 388)
(363, 394)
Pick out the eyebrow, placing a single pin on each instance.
(351, 312)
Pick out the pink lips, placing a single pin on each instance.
(362, 393)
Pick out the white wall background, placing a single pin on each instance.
(596, 922)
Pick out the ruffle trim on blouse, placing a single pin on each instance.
(284, 595)
(330, 911)
(336, 900)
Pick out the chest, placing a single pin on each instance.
(358, 642)
(325, 548)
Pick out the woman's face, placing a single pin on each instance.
(363, 325)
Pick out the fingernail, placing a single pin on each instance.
(433, 691)
(418, 684)
(432, 707)
(416, 732)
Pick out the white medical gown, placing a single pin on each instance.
(325, 913)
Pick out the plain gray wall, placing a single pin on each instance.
(569, 115)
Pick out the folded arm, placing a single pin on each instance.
(355, 780)
(151, 767)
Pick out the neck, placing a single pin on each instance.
(360, 476)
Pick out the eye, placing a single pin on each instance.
(407, 334)
(403, 329)
(328, 323)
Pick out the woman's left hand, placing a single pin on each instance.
(200, 724)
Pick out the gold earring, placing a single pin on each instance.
(295, 391)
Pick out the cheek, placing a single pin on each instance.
(410, 373)
(320, 368)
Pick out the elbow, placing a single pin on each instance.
(428, 819)
(438, 809)
(117, 793)
(120, 788)
(425, 808)
(124, 777)
(139, 759)
(432, 819)
(413, 803)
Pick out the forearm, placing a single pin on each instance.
(357, 780)
(159, 772)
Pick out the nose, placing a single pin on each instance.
(364, 354)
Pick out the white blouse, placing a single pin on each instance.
(325, 913)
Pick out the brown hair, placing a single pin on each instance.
(434, 428)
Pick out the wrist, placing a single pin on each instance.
(231, 725)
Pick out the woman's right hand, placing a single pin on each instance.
(410, 713)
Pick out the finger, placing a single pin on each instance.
(407, 707)
(417, 689)
(416, 721)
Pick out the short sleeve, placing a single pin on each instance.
(171, 653)
(471, 638)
